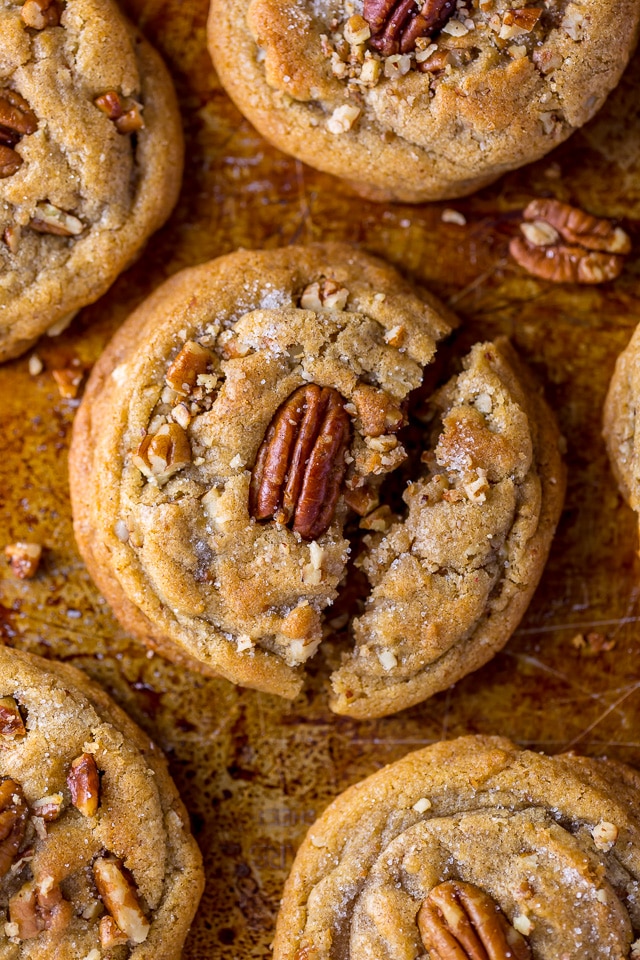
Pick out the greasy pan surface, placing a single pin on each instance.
(255, 770)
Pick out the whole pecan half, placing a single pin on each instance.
(458, 921)
(300, 465)
(397, 24)
(17, 120)
(13, 822)
(592, 252)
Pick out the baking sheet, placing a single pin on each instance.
(255, 770)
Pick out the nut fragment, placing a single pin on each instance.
(48, 808)
(24, 558)
(119, 896)
(593, 252)
(13, 822)
(53, 220)
(37, 907)
(110, 934)
(396, 25)
(10, 162)
(39, 14)
(68, 380)
(124, 111)
(11, 723)
(458, 920)
(84, 784)
(300, 465)
(17, 120)
(192, 362)
(324, 294)
(378, 411)
(164, 453)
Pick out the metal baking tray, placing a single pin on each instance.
(255, 770)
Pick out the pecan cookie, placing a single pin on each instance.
(471, 848)
(90, 158)
(79, 879)
(417, 100)
(620, 422)
(242, 421)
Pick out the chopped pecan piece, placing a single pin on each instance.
(124, 111)
(164, 453)
(459, 920)
(39, 14)
(396, 25)
(10, 162)
(593, 251)
(300, 465)
(324, 294)
(24, 558)
(13, 822)
(192, 361)
(84, 784)
(119, 896)
(17, 119)
(37, 907)
(378, 411)
(11, 723)
(48, 808)
(53, 220)
(110, 934)
(68, 380)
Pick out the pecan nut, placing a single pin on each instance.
(564, 244)
(11, 722)
(192, 361)
(17, 120)
(37, 907)
(13, 822)
(123, 111)
(118, 893)
(164, 453)
(396, 24)
(24, 558)
(84, 784)
(57, 222)
(458, 921)
(300, 465)
(39, 14)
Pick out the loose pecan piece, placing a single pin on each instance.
(84, 784)
(24, 558)
(458, 921)
(39, 14)
(119, 896)
(397, 24)
(11, 723)
(124, 111)
(300, 465)
(13, 822)
(17, 119)
(593, 251)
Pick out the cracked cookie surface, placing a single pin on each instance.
(554, 842)
(237, 424)
(413, 115)
(78, 877)
(90, 158)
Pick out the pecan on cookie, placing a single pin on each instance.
(243, 451)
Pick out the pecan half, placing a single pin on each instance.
(124, 111)
(300, 465)
(39, 14)
(11, 723)
(397, 24)
(458, 921)
(24, 558)
(593, 251)
(119, 896)
(17, 119)
(13, 822)
(84, 784)
(37, 907)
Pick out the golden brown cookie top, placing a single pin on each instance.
(243, 422)
(77, 874)
(531, 855)
(83, 102)
(419, 101)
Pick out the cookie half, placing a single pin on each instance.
(79, 877)
(418, 101)
(240, 425)
(471, 848)
(90, 158)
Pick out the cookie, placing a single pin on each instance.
(471, 848)
(620, 422)
(241, 425)
(79, 878)
(418, 101)
(90, 158)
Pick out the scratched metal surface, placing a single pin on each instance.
(254, 770)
